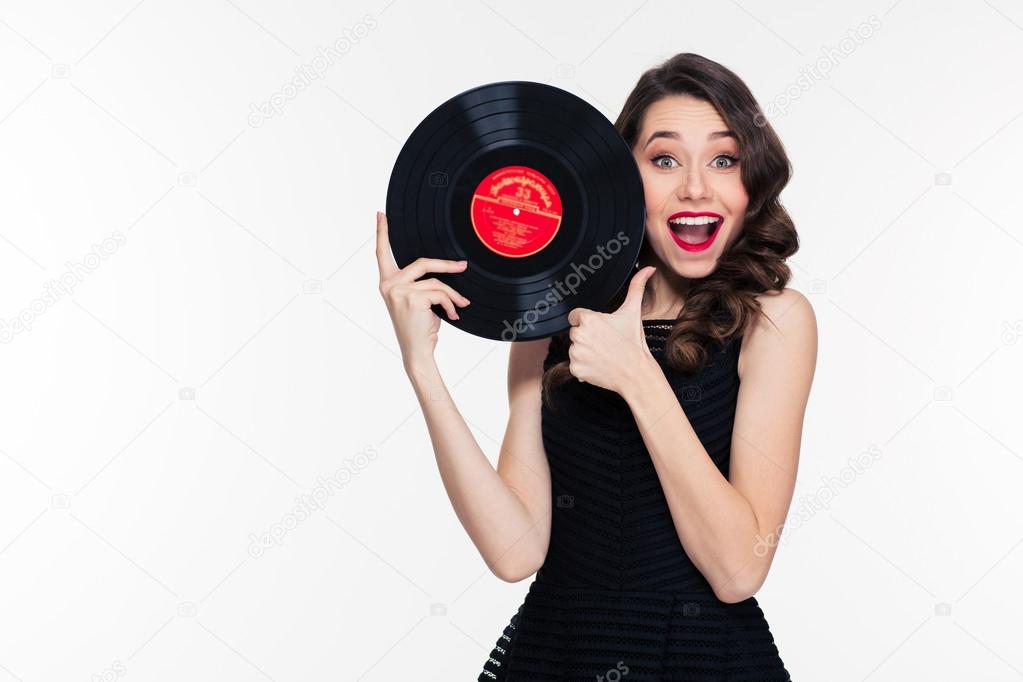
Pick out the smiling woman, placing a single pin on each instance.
(705, 152)
(714, 183)
(668, 425)
(651, 450)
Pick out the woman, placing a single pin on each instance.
(651, 452)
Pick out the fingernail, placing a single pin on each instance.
(379, 215)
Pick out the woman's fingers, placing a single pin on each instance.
(421, 266)
(420, 292)
(385, 259)
(434, 283)
(410, 303)
(389, 270)
(435, 296)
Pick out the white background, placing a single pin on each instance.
(233, 352)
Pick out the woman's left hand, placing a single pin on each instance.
(607, 348)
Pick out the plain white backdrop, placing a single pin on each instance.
(212, 466)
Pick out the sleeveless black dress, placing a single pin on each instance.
(617, 598)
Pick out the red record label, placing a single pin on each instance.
(516, 211)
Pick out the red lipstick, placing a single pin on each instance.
(694, 238)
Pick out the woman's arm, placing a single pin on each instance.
(507, 511)
(730, 528)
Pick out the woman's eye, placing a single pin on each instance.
(720, 161)
(657, 161)
(730, 159)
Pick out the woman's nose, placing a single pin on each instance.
(693, 186)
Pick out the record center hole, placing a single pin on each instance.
(515, 212)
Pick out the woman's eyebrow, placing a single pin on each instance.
(675, 136)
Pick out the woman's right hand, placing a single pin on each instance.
(409, 299)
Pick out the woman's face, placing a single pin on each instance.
(690, 171)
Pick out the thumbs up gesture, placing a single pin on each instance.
(607, 348)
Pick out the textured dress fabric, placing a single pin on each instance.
(617, 597)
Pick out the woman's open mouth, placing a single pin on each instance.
(694, 231)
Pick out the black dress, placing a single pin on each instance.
(617, 598)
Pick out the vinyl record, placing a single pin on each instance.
(535, 189)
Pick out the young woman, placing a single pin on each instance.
(651, 452)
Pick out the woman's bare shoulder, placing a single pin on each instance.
(788, 319)
(775, 303)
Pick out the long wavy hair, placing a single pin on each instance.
(723, 303)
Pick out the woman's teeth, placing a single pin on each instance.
(693, 230)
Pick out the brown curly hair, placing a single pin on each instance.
(722, 304)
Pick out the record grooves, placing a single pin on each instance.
(536, 189)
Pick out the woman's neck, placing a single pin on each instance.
(665, 294)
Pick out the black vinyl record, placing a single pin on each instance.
(532, 186)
